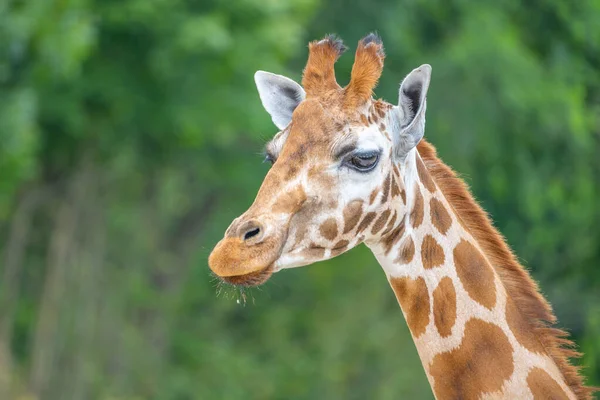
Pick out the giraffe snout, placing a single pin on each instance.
(247, 253)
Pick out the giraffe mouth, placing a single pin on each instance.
(255, 278)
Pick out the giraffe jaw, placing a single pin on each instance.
(255, 278)
(237, 263)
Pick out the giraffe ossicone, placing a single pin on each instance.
(349, 169)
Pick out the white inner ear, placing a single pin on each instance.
(279, 95)
(411, 109)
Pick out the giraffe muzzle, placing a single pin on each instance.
(247, 253)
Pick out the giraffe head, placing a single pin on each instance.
(336, 178)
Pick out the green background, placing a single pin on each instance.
(131, 135)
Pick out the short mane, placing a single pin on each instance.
(517, 281)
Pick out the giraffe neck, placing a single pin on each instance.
(471, 337)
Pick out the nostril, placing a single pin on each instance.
(251, 233)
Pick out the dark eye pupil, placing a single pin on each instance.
(363, 162)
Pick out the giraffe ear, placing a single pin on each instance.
(411, 109)
(279, 95)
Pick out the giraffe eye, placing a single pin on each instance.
(269, 158)
(363, 162)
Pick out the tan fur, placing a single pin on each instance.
(444, 306)
(407, 251)
(432, 254)
(543, 387)
(367, 68)
(465, 372)
(519, 285)
(475, 273)
(417, 213)
(414, 299)
(439, 216)
(319, 75)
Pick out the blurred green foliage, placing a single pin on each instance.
(130, 136)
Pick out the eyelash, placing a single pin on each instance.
(351, 161)
(269, 158)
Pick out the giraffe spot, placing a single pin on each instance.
(315, 174)
(340, 244)
(390, 224)
(363, 119)
(290, 201)
(416, 215)
(382, 127)
(543, 387)
(374, 115)
(403, 195)
(364, 224)
(475, 273)
(386, 188)
(329, 229)
(444, 307)
(339, 247)
(407, 251)
(352, 213)
(396, 170)
(481, 363)
(393, 237)
(380, 222)
(332, 204)
(432, 254)
(301, 233)
(395, 188)
(373, 196)
(522, 328)
(414, 299)
(291, 172)
(313, 253)
(439, 216)
(424, 176)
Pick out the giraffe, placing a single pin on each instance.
(349, 169)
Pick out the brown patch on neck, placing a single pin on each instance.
(414, 299)
(475, 273)
(395, 187)
(481, 363)
(444, 307)
(542, 386)
(373, 195)
(390, 239)
(386, 188)
(391, 225)
(407, 251)
(432, 254)
(519, 285)
(380, 222)
(416, 215)
(364, 224)
(439, 216)
(424, 176)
